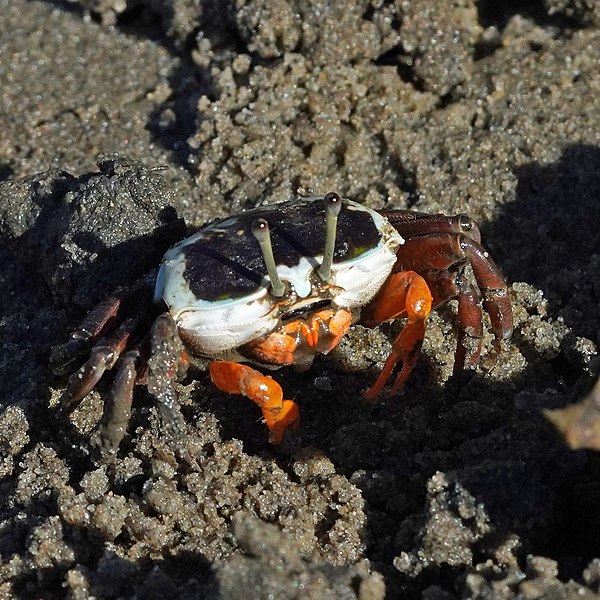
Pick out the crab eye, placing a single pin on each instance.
(333, 205)
(260, 230)
(332, 199)
(465, 222)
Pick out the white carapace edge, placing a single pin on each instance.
(224, 325)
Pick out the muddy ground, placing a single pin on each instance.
(120, 117)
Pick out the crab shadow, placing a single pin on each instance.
(488, 437)
(548, 237)
(498, 14)
(492, 444)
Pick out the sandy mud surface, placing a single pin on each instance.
(123, 119)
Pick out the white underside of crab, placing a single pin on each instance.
(219, 327)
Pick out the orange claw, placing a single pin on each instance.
(405, 294)
(278, 413)
(336, 324)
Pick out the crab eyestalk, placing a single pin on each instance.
(333, 205)
(260, 230)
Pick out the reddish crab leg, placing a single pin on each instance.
(103, 357)
(117, 409)
(496, 300)
(278, 413)
(87, 333)
(445, 285)
(443, 251)
(405, 294)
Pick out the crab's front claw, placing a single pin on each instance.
(279, 414)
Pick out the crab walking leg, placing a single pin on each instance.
(444, 251)
(95, 322)
(164, 369)
(496, 299)
(445, 285)
(117, 410)
(102, 358)
(404, 294)
(278, 413)
(100, 320)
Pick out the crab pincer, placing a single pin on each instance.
(278, 413)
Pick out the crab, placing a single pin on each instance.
(276, 286)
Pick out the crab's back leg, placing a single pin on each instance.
(496, 299)
(117, 408)
(99, 321)
(278, 413)
(404, 294)
(80, 340)
(161, 354)
(103, 356)
(166, 365)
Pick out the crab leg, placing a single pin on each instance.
(164, 370)
(117, 410)
(165, 367)
(89, 330)
(444, 251)
(404, 294)
(445, 285)
(98, 321)
(278, 413)
(496, 300)
(102, 358)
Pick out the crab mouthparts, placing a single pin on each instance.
(304, 307)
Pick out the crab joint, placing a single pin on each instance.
(260, 230)
(333, 205)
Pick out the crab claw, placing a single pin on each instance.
(279, 414)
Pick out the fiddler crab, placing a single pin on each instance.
(277, 285)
